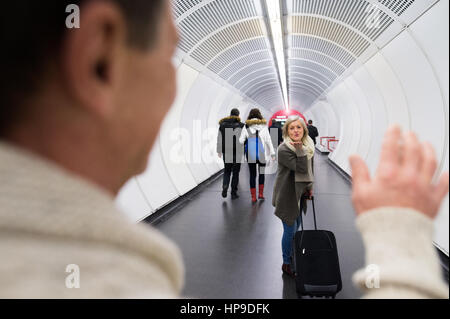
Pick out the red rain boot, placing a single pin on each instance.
(261, 191)
(287, 270)
(253, 192)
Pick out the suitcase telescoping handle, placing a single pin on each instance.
(314, 213)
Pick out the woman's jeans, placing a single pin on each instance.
(288, 237)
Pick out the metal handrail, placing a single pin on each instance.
(324, 137)
(328, 144)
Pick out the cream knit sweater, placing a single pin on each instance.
(50, 219)
(400, 256)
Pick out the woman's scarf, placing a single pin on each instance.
(308, 145)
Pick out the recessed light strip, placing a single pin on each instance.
(274, 12)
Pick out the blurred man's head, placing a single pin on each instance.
(100, 91)
(310, 122)
(234, 112)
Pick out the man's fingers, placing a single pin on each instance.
(390, 150)
(429, 163)
(412, 155)
(360, 172)
(441, 189)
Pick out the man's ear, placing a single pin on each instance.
(93, 56)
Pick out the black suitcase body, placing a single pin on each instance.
(316, 262)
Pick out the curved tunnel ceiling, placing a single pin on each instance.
(230, 39)
(322, 38)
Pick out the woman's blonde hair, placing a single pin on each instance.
(291, 120)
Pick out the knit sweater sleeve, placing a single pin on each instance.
(401, 261)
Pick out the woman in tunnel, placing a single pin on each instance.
(295, 177)
(258, 148)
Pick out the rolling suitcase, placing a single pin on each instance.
(316, 262)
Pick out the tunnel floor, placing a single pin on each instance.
(232, 249)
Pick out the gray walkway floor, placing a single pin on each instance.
(232, 249)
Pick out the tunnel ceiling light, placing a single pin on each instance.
(275, 16)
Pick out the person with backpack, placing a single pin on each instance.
(231, 151)
(258, 149)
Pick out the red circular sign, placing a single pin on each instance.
(284, 114)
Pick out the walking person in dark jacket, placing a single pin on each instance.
(277, 138)
(231, 151)
(312, 131)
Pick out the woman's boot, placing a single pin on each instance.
(287, 270)
(261, 191)
(253, 192)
